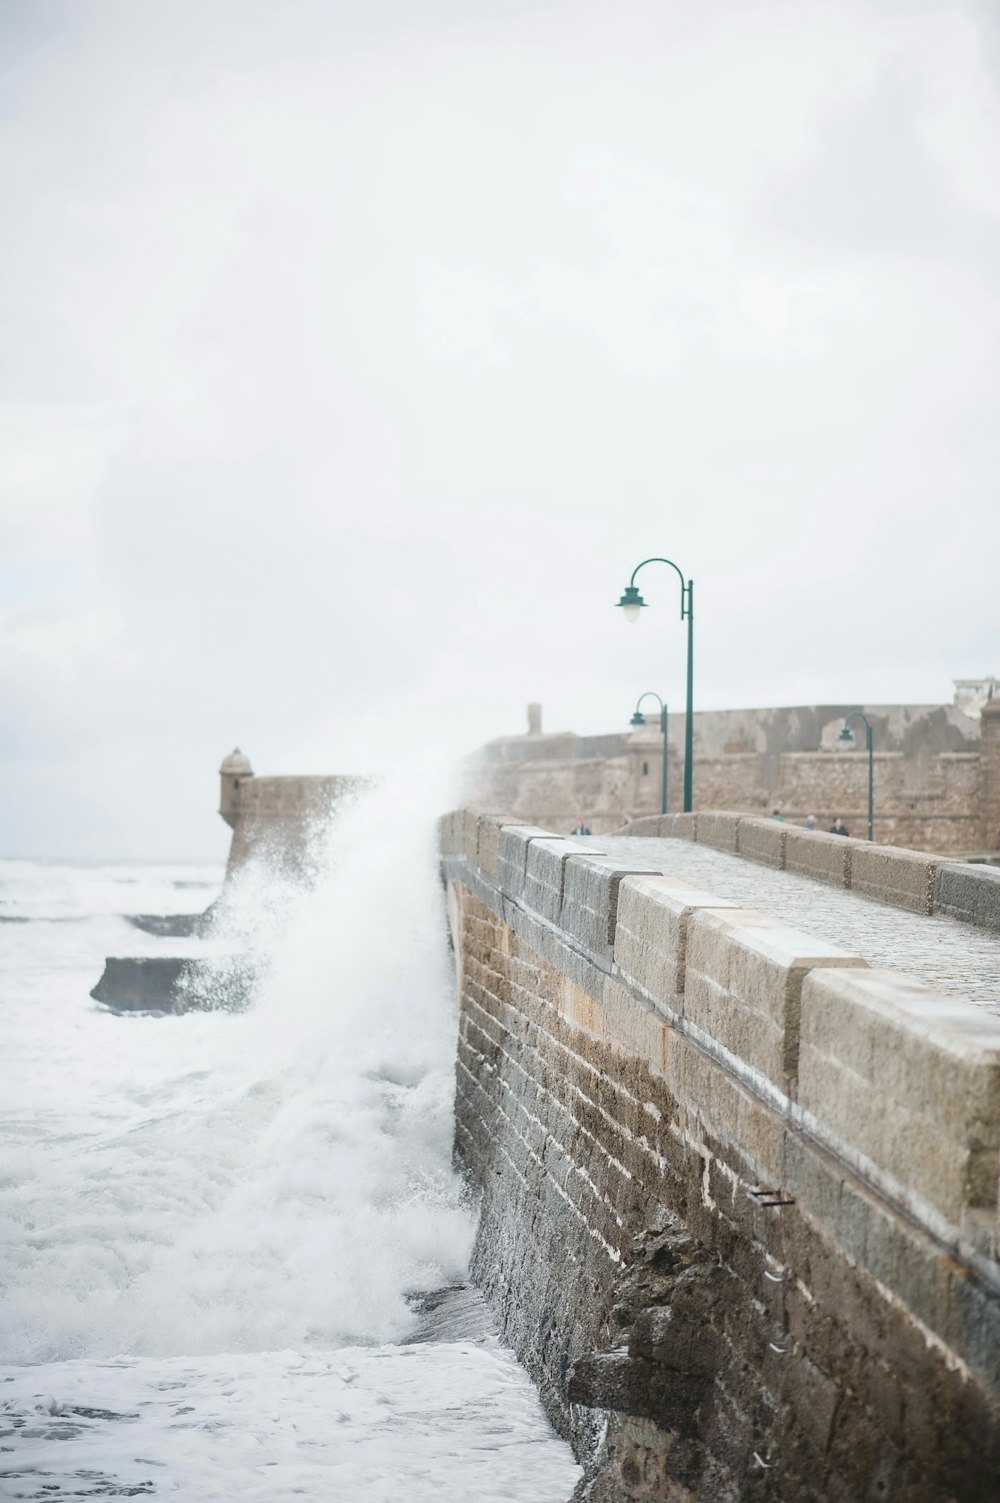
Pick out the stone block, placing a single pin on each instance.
(490, 826)
(590, 899)
(647, 824)
(720, 830)
(970, 892)
(470, 837)
(634, 1028)
(450, 833)
(512, 856)
(651, 933)
(811, 853)
(893, 875)
(907, 1079)
(743, 984)
(763, 840)
(543, 877)
(578, 1007)
(663, 826)
(715, 1104)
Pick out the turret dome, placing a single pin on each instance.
(236, 765)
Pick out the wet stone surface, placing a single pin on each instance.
(943, 952)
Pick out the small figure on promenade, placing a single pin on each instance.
(777, 814)
(809, 823)
(838, 827)
(581, 827)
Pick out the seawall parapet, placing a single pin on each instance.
(276, 818)
(739, 1187)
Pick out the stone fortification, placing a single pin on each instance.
(739, 1189)
(275, 818)
(937, 771)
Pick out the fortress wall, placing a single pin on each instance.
(738, 1191)
(934, 790)
(276, 818)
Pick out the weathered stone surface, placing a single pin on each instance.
(970, 892)
(640, 1222)
(743, 983)
(713, 1106)
(720, 830)
(543, 880)
(490, 826)
(763, 840)
(470, 837)
(590, 899)
(670, 826)
(450, 833)
(512, 857)
(651, 931)
(908, 1078)
(633, 1385)
(814, 854)
(893, 875)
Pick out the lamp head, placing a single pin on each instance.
(846, 736)
(631, 603)
(638, 719)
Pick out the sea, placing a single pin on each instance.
(221, 1232)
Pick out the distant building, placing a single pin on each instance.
(935, 770)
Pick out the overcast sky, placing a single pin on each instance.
(354, 351)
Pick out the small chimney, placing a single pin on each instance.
(534, 720)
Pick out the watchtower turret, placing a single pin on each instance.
(234, 770)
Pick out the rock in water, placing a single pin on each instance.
(169, 925)
(146, 984)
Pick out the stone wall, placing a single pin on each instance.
(277, 818)
(739, 1192)
(932, 791)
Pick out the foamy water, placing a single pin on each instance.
(211, 1224)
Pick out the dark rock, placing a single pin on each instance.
(169, 925)
(173, 984)
(632, 1385)
(147, 984)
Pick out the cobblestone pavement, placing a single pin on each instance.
(947, 954)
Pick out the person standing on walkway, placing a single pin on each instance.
(809, 823)
(838, 827)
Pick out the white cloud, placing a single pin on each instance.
(357, 354)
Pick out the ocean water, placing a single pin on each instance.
(213, 1226)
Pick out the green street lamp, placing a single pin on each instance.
(639, 719)
(847, 736)
(631, 604)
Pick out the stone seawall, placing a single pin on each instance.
(739, 1191)
(276, 818)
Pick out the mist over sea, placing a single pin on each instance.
(213, 1225)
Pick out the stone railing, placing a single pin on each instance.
(909, 879)
(739, 1189)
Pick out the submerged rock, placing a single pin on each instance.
(174, 984)
(169, 925)
(146, 984)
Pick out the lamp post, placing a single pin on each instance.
(631, 604)
(847, 736)
(639, 719)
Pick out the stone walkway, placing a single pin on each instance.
(949, 955)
